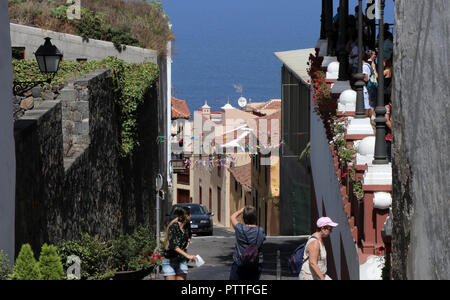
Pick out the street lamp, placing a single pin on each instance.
(329, 26)
(48, 58)
(342, 52)
(380, 121)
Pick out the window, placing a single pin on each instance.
(183, 178)
(210, 200)
(200, 194)
(18, 52)
(266, 172)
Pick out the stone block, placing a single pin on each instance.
(36, 91)
(76, 116)
(48, 95)
(27, 103)
(68, 94)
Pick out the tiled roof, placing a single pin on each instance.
(243, 174)
(180, 109)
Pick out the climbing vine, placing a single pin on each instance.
(130, 82)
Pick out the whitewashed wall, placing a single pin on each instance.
(74, 47)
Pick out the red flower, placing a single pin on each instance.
(343, 175)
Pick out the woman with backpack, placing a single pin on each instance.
(175, 256)
(248, 256)
(315, 256)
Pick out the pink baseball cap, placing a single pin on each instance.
(325, 221)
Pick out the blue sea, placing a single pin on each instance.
(223, 44)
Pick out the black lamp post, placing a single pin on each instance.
(323, 31)
(380, 156)
(359, 84)
(329, 25)
(343, 55)
(48, 58)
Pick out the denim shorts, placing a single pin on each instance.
(174, 267)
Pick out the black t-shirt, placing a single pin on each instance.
(177, 239)
(246, 235)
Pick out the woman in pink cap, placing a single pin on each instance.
(315, 257)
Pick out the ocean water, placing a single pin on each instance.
(222, 44)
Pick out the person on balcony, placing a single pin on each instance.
(315, 256)
(370, 78)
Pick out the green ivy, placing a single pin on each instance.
(130, 81)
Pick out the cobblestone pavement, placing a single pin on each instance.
(217, 252)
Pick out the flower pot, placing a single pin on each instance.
(133, 275)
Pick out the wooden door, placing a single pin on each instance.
(183, 196)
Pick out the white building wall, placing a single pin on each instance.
(74, 47)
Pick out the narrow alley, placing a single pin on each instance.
(217, 252)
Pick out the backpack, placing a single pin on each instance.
(295, 262)
(372, 84)
(250, 256)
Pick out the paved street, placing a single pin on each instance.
(217, 252)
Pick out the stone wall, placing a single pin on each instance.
(40, 172)
(421, 157)
(70, 176)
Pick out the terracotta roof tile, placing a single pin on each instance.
(180, 109)
(243, 174)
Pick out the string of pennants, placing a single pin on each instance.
(215, 161)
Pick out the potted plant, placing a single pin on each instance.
(130, 255)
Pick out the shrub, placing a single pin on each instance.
(137, 23)
(5, 269)
(26, 266)
(50, 263)
(131, 82)
(129, 252)
(94, 255)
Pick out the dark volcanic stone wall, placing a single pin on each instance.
(92, 196)
(139, 170)
(70, 177)
(421, 156)
(40, 172)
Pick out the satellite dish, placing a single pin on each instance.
(242, 102)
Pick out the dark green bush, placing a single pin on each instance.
(129, 249)
(26, 266)
(50, 263)
(94, 255)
